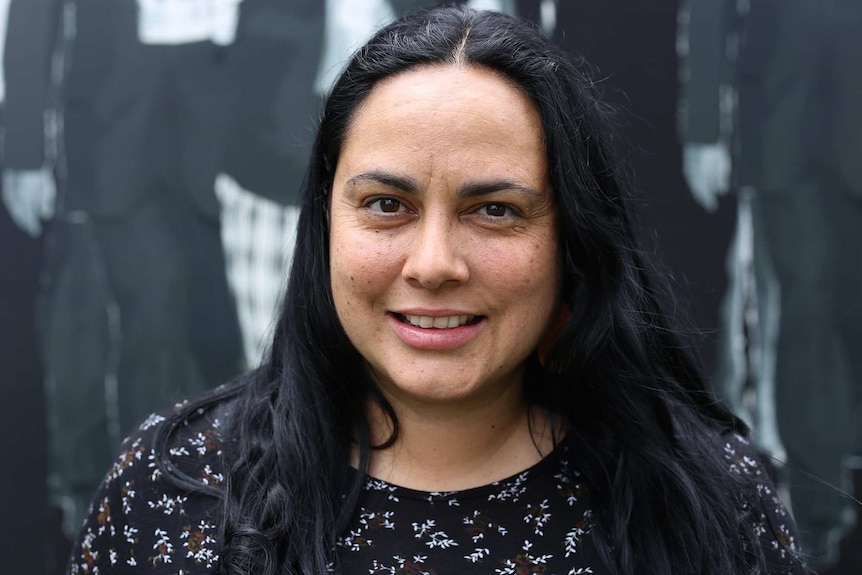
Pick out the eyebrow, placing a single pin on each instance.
(468, 190)
(402, 183)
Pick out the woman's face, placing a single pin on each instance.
(444, 254)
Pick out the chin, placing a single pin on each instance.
(446, 387)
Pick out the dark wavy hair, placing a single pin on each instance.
(618, 372)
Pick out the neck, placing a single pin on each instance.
(447, 447)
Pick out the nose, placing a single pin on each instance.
(436, 257)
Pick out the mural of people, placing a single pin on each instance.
(136, 310)
(793, 93)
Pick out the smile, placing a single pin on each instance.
(443, 322)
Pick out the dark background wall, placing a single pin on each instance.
(23, 438)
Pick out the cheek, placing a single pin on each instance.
(532, 282)
(525, 269)
(361, 267)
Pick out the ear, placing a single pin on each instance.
(559, 322)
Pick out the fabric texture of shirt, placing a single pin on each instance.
(538, 521)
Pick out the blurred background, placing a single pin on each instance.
(152, 152)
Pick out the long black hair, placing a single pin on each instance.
(618, 372)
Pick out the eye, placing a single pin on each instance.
(497, 211)
(385, 205)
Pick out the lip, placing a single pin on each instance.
(433, 338)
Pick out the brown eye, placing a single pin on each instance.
(496, 210)
(389, 205)
(386, 205)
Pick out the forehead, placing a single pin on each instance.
(465, 84)
(443, 112)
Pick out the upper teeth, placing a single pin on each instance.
(438, 322)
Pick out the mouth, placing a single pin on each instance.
(442, 322)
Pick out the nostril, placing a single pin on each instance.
(435, 266)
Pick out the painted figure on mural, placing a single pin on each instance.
(121, 103)
(772, 111)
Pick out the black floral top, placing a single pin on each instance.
(536, 522)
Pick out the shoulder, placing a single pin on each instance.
(190, 441)
(193, 442)
(142, 519)
(761, 507)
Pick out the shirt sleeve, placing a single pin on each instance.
(765, 511)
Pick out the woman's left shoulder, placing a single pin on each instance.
(761, 505)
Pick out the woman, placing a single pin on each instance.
(471, 372)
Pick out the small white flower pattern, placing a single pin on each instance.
(769, 519)
(141, 523)
(576, 534)
(538, 522)
(199, 542)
